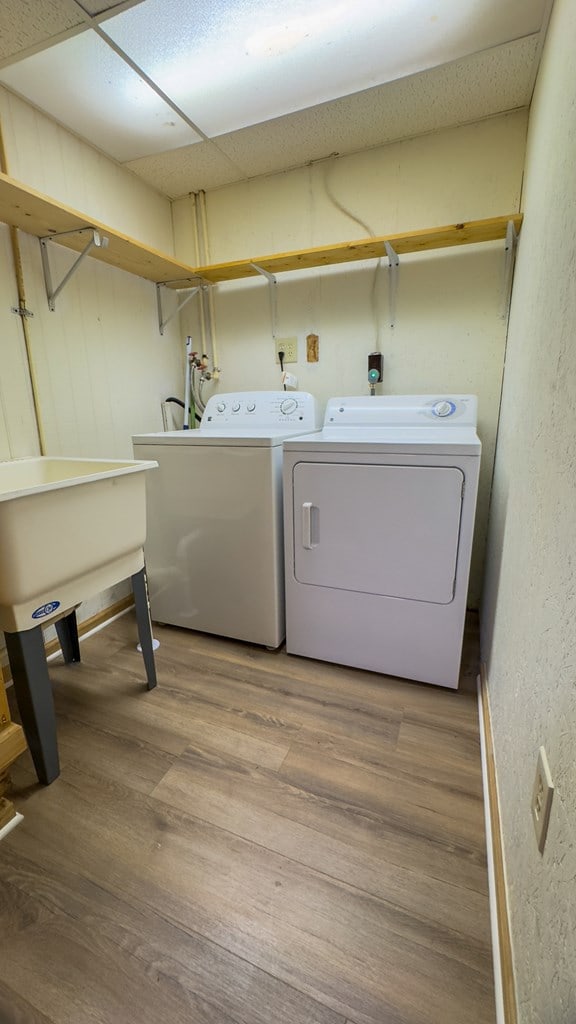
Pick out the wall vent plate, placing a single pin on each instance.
(542, 798)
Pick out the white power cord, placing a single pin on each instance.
(357, 220)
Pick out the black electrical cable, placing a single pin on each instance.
(178, 401)
(281, 361)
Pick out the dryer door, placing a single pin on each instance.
(387, 530)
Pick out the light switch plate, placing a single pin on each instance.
(542, 798)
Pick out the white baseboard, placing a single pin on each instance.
(504, 987)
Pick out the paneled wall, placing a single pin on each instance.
(529, 638)
(50, 159)
(449, 333)
(100, 365)
(18, 434)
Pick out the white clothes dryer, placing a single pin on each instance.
(379, 519)
(214, 550)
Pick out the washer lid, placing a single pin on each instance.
(255, 438)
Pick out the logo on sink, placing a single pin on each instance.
(45, 609)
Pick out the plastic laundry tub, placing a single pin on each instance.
(69, 528)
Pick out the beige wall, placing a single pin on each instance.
(530, 604)
(100, 364)
(49, 158)
(449, 333)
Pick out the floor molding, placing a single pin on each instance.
(90, 625)
(505, 990)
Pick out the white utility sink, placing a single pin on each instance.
(69, 528)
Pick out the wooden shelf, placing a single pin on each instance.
(365, 249)
(37, 214)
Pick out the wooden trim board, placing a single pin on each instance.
(4, 709)
(12, 744)
(508, 987)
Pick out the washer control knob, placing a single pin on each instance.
(288, 406)
(221, 407)
(236, 407)
(251, 406)
(443, 408)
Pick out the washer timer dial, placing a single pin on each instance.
(443, 408)
(288, 406)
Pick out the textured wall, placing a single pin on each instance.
(530, 602)
(449, 333)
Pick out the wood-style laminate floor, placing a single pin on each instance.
(260, 840)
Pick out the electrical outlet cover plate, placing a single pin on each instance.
(289, 346)
(542, 798)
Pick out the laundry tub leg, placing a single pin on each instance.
(140, 589)
(67, 630)
(35, 702)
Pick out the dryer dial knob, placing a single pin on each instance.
(236, 407)
(288, 406)
(444, 408)
(251, 407)
(221, 407)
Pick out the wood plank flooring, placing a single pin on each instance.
(260, 840)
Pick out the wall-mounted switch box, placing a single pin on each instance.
(375, 367)
(542, 798)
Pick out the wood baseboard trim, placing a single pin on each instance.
(87, 626)
(503, 962)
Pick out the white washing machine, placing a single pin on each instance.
(214, 551)
(379, 517)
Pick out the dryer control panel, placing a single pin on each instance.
(402, 411)
(261, 410)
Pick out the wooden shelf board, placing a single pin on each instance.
(365, 249)
(37, 214)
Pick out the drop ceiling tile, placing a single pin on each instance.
(93, 7)
(189, 169)
(464, 91)
(229, 64)
(27, 23)
(88, 88)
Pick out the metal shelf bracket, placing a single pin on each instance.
(96, 240)
(510, 247)
(393, 270)
(192, 291)
(272, 291)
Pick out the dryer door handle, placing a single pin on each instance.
(309, 525)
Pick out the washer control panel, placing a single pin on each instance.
(258, 410)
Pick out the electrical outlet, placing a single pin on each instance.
(289, 346)
(542, 798)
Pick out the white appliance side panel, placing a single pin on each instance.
(385, 530)
(214, 547)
